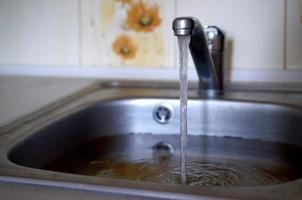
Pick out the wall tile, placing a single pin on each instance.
(294, 34)
(39, 32)
(68, 32)
(103, 24)
(254, 29)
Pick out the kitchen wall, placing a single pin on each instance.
(262, 36)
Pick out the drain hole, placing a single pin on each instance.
(163, 114)
(164, 147)
(163, 151)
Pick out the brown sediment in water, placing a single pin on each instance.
(243, 163)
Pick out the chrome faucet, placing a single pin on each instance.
(206, 51)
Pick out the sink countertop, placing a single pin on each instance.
(23, 95)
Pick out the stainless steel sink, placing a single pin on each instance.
(135, 117)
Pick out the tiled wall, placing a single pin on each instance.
(39, 32)
(108, 27)
(294, 34)
(110, 33)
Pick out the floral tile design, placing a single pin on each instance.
(127, 33)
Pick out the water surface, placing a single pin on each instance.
(211, 161)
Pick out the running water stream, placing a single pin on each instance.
(183, 45)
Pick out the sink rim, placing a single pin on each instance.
(12, 172)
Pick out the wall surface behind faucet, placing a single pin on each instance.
(85, 34)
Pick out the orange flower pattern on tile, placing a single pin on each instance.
(124, 47)
(142, 17)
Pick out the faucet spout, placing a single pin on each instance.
(210, 82)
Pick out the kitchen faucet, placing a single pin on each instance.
(206, 51)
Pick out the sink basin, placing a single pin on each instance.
(126, 137)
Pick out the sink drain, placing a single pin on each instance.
(163, 113)
(164, 147)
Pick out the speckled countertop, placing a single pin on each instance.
(22, 95)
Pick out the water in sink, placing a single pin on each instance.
(211, 161)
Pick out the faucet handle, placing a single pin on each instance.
(215, 38)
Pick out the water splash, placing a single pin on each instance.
(183, 45)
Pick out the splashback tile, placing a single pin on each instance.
(98, 32)
(294, 34)
(127, 33)
(254, 29)
(39, 32)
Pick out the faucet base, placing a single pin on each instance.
(211, 93)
